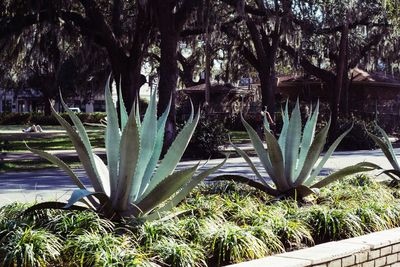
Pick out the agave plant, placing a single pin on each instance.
(387, 149)
(291, 160)
(131, 184)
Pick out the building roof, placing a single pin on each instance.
(358, 76)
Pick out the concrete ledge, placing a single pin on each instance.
(372, 250)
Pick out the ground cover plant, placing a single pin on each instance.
(291, 161)
(131, 184)
(221, 223)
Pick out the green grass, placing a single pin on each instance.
(29, 165)
(239, 136)
(60, 142)
(223, 223)
(56, 143)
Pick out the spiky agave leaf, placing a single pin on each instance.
(290, 160)
(292, 144)
(386, 147)
(112, 138)
(173, 156)
(129, 155)
(132, 184)
(83, 154)
(148, 133)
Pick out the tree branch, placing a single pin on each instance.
(307, 65)
(375, 40)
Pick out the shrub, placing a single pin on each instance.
(357, 138)
(209, 135)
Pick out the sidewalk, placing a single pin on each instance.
(51, 184)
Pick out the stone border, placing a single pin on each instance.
(372, 250)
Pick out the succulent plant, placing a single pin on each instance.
(131, 184)
(291, 161)
(387, 149)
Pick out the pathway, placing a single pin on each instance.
(53, 184)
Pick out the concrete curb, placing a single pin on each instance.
(372, 250)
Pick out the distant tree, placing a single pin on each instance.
(328, 39)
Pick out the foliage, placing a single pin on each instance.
(130, 185)
(290, 160)
(357, 138)
(29, 247)
(209, 135)
(387, 148)
(177, 253)
(223, 223)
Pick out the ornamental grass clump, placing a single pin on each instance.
(131, 184)
(25, 246)
(291, 161)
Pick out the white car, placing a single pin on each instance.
(76, 110)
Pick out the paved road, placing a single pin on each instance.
(55, 184)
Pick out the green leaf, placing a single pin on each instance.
(387, 141)
(259, 148)
(394, 174)
(165, 189)
(97, 166)
(312, 155)
(308, 138)
(148, 134)
(292, 144)
(187, 188)
(122, 108)
(386, 150)
(247, 181)
(112, 138)
(360, 167)
(249, 162)
(285, 118)
(157, 149)
(276, 158)
(80, 194)
(81, 151)
(174, 154)
(327, 155)
(129, 153)
(104, 174)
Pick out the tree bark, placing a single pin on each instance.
(168, 67)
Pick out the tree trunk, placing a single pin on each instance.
(168, 68)
(268, 87)
(47, 107)
(228, 67)
(127, 71)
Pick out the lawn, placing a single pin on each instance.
(59, 142)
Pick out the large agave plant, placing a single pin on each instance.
(291, 161)
(387, 149)
(131, 184)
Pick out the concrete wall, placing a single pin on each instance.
(372, 250)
